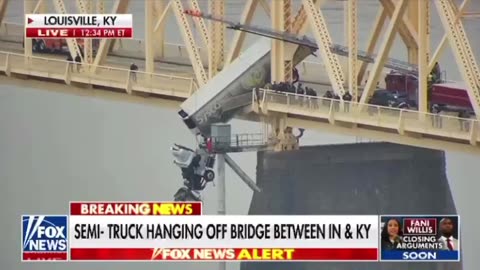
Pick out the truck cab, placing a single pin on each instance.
(386, 98)
(58, 45)
(448, 96)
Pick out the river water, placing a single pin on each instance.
(57, 147)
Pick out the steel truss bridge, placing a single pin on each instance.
(175, 71)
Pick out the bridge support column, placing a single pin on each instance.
(3, 8)
(443, 42)
(149, 57)
(87, 48)
(217, 38)
(423, 24)
(28, 8)
(222, 209)
(155, 14)
(373, 40)
(352, 30)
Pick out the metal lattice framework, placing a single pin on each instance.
(210, 54)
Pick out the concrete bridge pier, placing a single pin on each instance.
(365, 178)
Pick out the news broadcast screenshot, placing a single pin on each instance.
(239, 135)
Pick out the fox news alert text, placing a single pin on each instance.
(78, 26)
(420, 238)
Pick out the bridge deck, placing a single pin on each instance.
(395, 125)
(168, 85)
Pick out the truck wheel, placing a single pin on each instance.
(209, 175)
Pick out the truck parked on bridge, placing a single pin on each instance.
(448, 96)
(59, 45)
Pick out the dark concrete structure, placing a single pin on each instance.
(366, 178)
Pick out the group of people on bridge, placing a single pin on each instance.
(287, 87)
(72, 63)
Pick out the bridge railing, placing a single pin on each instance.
(164, 84)
(399, 120)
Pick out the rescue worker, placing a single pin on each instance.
(78, 61)
(133, 71)
(437, 73)
(336, 103)
(291, 88)
(328, 96)
(209, 144)
(436, 118)
(348, 98)
(70, 62)
(302, 130)
(463, 119)
(295, 75)
(300, 89)
(274, 86)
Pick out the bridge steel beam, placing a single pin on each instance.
(3, 9)
(239, 36)
(352, 27)
(100, 6)
(200, 23)
(324, 41)
(162, 10)
(384, 50)
(462, 50)
(265, 6)
(40, 7)
(190, 43)
(155, 13)
(84, 7)
(372, 41)
(413, 17)
(278, 46)
(405, 28)
(423, 10)
(71, 42)
(443, 42)
(216, 47)
(28, 7)
(119, 7)
(149, 39)
(300, 23)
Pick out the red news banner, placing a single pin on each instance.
(171, 231)
(78, 26)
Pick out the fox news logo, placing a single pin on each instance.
(44, 238)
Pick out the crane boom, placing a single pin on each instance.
(394, 64)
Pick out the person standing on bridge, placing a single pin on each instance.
(133, 72)
(70, 62)
(78, 60)
(348, 98)
(437, 119)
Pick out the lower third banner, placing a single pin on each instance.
(225, 254)
(223, 238)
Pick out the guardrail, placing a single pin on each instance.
(397, 120)
(154, 83)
